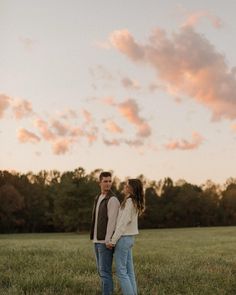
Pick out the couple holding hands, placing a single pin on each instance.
(114, 226)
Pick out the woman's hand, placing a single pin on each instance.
(110, 246)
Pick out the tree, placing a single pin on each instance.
(228, 205)
(210, 200)
(11, 204)
(151, 216)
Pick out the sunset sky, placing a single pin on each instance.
(137, 87)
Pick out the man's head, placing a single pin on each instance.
(105, 182)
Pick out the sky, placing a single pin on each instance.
(136, 87)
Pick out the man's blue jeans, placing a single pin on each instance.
(104, 265)
(124, 265)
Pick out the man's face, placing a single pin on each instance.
(105, 184)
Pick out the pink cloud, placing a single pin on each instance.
(184, 144)
(22, 109)
(27, 136)
(88, 116)
(63, 139)
(194, 18)
(91, 135)
(188, 64)
(130, 110)
(130, 84)
(68, 114)
(154, 86)
(126, 44)
(114, 142)
(44, 130)
(144, 130)
(134, 143)
(61, 146)
(76, 132)
(233, 127)
(113, 127)
(64, 136)
(4, 104)
(60, 128)
(109, 100)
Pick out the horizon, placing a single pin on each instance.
(114, 175)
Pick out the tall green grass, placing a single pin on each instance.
(168, 261)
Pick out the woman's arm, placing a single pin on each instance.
(124, 220)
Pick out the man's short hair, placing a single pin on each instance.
(104, 174)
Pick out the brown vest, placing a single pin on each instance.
(102, 217)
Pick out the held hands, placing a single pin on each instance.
(110, 245)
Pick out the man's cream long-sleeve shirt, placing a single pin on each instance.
(112, 212)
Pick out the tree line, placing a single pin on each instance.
(51, 201)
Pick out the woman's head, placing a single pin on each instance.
(134, 189)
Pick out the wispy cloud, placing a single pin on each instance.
(22, 108)
(44, 130)
(60, 128)
(4, 104)
(109, 100)
(102, 44)
(76, 132)
(113, 127)
(233, 127)
(184, 144)
(113, 142)
(61, 146)
(188, 64)
(130, 111)
(124, 41)
(91, 135)
(28, 43)
(152, 87)
(194, 18)
(130, 84)
(68, 114)
(134, 143)
(27, 136)
(99, 72)
(62, 134)
(87, 116)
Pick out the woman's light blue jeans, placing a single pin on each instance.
(124, 265)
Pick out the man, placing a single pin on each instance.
(105, 212)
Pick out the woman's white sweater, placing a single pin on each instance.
(127, 221)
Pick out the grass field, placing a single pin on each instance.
(167, 261)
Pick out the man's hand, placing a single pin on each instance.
(110, 246)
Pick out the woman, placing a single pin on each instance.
(123, 237)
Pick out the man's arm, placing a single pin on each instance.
(112, 213)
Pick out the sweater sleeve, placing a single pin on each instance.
(124, 220)
(112, 213)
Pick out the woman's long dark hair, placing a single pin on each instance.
(137, 195)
